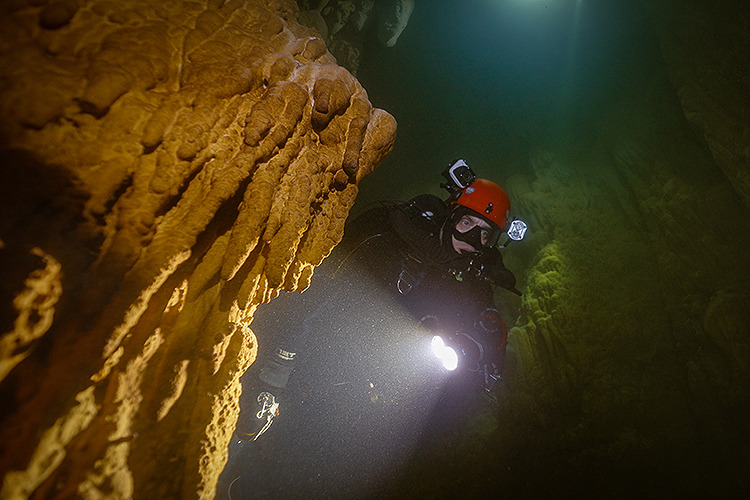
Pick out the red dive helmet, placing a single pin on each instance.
(483, 197)
(488, 200)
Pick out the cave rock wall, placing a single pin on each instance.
(346, 24)
(705, 48)
(630, 357)
(166, 167)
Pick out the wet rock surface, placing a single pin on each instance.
(346, 25)
(167, 167)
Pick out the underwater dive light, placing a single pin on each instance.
(517, 229)
(445, 354)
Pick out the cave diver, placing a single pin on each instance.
(439, 258)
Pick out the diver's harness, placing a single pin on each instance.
(460, 267)
(409, 278)
(475, 268)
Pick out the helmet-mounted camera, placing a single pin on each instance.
(458, 176)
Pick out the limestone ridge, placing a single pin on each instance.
(167, 167)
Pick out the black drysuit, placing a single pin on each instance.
(393, 260)
(366, 384)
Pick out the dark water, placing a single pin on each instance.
(489, 81)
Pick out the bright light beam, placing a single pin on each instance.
(445, 354)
